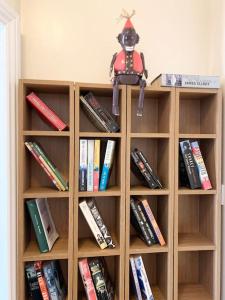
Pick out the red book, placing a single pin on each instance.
(87, 279)
(41, 280)
(148, 213)
(46, 112)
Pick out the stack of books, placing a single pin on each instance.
(45, 280)
(96, 223)
(96, 280)
(142, 169)
(44, 227)
(46, 112)
(94, 172)
(139, 279)
(144, 222)
(98, 114)
(192, 169)
(47, 165)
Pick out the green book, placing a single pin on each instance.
(51, 165)
(38, 227)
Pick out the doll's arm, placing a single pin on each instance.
(112, 63)
(143, 62)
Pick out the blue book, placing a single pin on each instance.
(134, 279)
(107, 165)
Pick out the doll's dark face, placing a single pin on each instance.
(128, 39)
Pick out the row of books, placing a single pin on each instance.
(95, 222)
(43, 224)
(98, 114)
(139, 281)
(45, 281)
(144, 222)
(96, 279)
(47, 165)
(96, 158)
(142, 169)
(192, 169)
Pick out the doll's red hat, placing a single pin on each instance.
(128, 24)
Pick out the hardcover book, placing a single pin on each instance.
(188, 81)
(90, 166)
(183, 178)
(41, 280)
(152, 221)
(32, 282)
(108, 282)
(87, 279)
(48, 114)
(83, 166)
(134, 279)
(190, 164)
(203, 174)
(140, 171)
(107, 165)
(93, 225)
(96, 165)
(143, 279)
(99, 221)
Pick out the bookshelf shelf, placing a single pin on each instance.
(44, 192)
(45, 133)
(137, 246)
(141, 190)
(111, 191)
(194, 242)
(193, 291)
(141, 135)
(99, 135)
(186, 191)
(197, 136)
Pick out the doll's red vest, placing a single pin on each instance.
(128, 63)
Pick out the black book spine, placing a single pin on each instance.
(147, 226)
(32, 282)
(99, 221)
(102, 112)
(143, 230)
(98, 279)
(137, 166)
(183, 178)
(109, 285)
(148, 167)
(190, 165)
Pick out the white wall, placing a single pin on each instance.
(15, 4)
(75, 40)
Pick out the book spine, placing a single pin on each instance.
(102, 112)
(199, 81)
(57, 182)
(90, 166)
(52, 166)
(140, 222)
(50, 281)
(47, 222)
(146, 224)
(190, 164)
(83, 166)
(143, 279)
(41, 280)
(142, 169)
(135, 279)
(29, 146)
(108, 282)
(33, 285)
(109, 155)
(98, 279)
(101, 225)
(87, 279)
(45, 111)
(59, 280)
(92, 224)
(148, 167)
(96, 165)
(203, 174)
(97, 121)
(149, 215)
(38, 227)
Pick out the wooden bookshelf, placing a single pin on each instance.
(154, 135)
(34, 183)
(197, 212)
(111, 203)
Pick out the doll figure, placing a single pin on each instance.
(128, 65)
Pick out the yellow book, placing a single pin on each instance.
(96, 165)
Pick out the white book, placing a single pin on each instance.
(135, 282)
(90, 166)
(83, 166)
(92, 224)
(143, 278)
(188, 81)
(48, 224)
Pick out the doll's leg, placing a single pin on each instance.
(141, 98)
(115, 105)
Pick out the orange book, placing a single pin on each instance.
(150, 217)
(41, 280)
